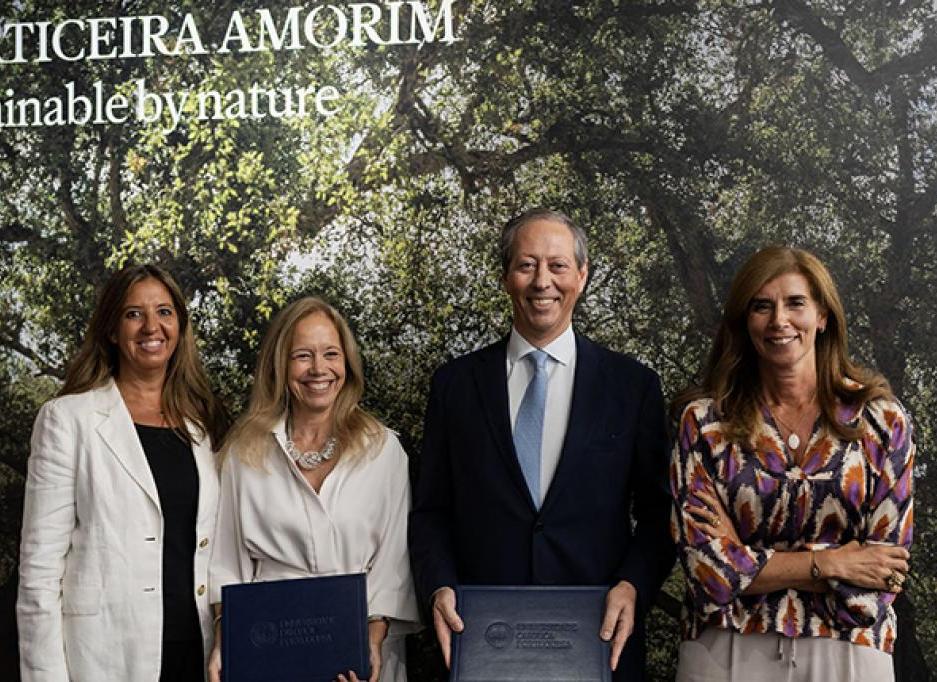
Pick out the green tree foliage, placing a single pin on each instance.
(682, 134)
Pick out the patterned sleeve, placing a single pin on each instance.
(889, 450)
(717, 570)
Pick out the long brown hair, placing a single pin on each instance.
(731, 376)
(352, 426)
(187, 393)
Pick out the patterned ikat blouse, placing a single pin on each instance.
(845, 490)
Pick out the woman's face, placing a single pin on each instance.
(783, 323)
(148, 331)
(317, 365)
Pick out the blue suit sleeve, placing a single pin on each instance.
(651, 552)
(430, 528)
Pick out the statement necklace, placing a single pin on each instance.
(312, 458)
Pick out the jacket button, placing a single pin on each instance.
(204, 543)
(538, 527)
(200, 591)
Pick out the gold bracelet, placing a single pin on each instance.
(216, 618)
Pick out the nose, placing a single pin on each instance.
(314, 364)
(778, 315)
(542, 276)
(150, 322)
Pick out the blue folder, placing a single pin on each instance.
(308, 630)
(530, 634)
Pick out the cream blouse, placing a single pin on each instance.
(273, 525)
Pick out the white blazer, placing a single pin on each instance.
(90, 603)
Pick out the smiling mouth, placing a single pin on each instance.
(318, 386)
(152, 345)
(542, 303)
(781, 341)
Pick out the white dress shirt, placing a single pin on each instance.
(561, 370)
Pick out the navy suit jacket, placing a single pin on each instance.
(473, 519)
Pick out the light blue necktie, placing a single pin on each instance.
(528, 429)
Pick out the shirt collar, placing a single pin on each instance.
(279, 432)
(562, 349)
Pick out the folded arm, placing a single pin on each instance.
(718, 566)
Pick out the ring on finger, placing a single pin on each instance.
(893, 581)
(717, 521)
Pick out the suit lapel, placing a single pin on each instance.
(584, 409)
(118, 432)
(491, 382)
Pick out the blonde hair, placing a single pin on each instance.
(187, 394)
(352, 426)
(731, 377)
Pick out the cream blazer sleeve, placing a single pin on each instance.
(49, 520)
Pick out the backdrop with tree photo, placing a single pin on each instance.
(683, 135)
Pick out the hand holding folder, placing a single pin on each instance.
(530, 634)
(302, 630)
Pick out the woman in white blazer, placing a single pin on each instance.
(314, 485)
(121, 498)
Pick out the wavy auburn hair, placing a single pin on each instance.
(731, 377)
(353, 427)
(187, 393)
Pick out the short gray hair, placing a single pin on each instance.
(509, 234)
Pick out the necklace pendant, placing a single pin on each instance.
(311, 459)
(793, 441)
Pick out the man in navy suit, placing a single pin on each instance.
(545, 455)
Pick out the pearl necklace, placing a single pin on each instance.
(311, 459)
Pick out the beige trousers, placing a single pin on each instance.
(725, 656)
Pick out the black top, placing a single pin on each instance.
(173, 466)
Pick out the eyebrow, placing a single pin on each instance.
(128, 306)
(765, 299)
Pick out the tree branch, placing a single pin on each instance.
(909, 64)
(692, 251)
(43, 365)
(834, 47)
(799, 14)
(114, 188)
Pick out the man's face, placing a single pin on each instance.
(543, 281)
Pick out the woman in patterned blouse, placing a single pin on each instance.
(792, 477)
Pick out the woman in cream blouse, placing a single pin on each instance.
(313, 485)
